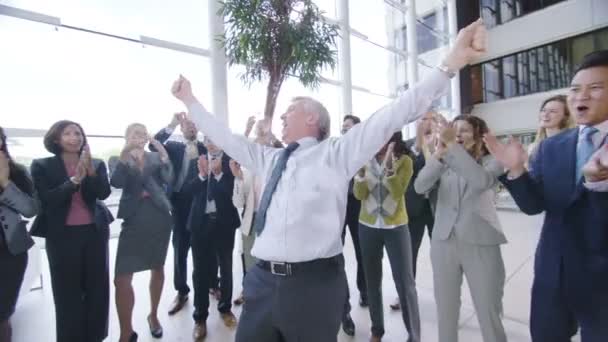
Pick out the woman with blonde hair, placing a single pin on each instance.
(554, 117)
(146, 228)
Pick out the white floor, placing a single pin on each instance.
(34, 319)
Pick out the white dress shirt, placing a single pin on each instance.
(598, 139)
(306, 215)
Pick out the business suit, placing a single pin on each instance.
(244, 197)
(466, 239)
(418, 208)
(571, 263)
(78, 255)
(181, 202)
(146, 226)
(212, 238)
(14, 243)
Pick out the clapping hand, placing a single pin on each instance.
(203, 166)
(4, 170)
(596, 169)
(164, 156)
(511, 155)
(177, 120)
(235, 168)
(389, 158)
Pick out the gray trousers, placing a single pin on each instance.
(485, 271)
(303, 307)
(399, 249)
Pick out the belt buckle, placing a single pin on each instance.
(280, 268)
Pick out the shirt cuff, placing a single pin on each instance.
(601, 186)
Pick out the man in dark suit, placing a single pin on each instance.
(213, 221)
(568, 180)
(353, 207)
(183, 156)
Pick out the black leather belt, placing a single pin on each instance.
(291, 268)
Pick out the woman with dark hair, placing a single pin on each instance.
(467, 234)
(16, 200)
(380, 186)
(146, 228)
(75, 223)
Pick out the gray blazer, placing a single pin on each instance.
(13, 204)
(154, 179)
(465, 196)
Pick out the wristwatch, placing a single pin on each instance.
(444, 68)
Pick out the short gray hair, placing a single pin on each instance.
(313, 106)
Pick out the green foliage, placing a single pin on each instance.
(277, 38)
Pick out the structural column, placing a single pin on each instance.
(219, 83)
(453, 29)
(412, 42)
(344, 64)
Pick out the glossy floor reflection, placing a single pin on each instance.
(34, 319)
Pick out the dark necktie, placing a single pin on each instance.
(271, 186)
(584, 150)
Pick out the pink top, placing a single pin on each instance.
(79, 214)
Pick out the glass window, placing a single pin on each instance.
(372, 18)
(101, 82)
(365, 104)
(184, 22)
(371, 66)
(509, 65)
(492, 81)
(489, 12)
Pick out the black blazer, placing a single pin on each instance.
(176, 151)
(415, 203)
(228, 215)
(55, 191)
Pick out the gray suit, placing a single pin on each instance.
(132, 182)
(13, 204)
(466, 239)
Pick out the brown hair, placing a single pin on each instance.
(480, 128)
(17, 173)
(53, 135)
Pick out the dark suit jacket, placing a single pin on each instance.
(415, 202)
(153, 180)
(55, 191)
(176, 151)
(228, 215)
(575, 231)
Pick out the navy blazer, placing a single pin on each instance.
(574, 237)
(228, 215)
(176, 150)
(55, 192)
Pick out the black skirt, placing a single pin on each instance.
(13, 269)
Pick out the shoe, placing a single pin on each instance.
(375, 339)
(156, 332)
(200, 332)
(133, 337)
(396, 306)
(363, 301)
(348, 326)
(229, 319)
(240, 300)
(178, 303)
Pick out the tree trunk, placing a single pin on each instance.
(272, 93)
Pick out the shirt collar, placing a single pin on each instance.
(602, 127)
(307, 142)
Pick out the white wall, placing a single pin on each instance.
(562, 20)
(514, 115)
